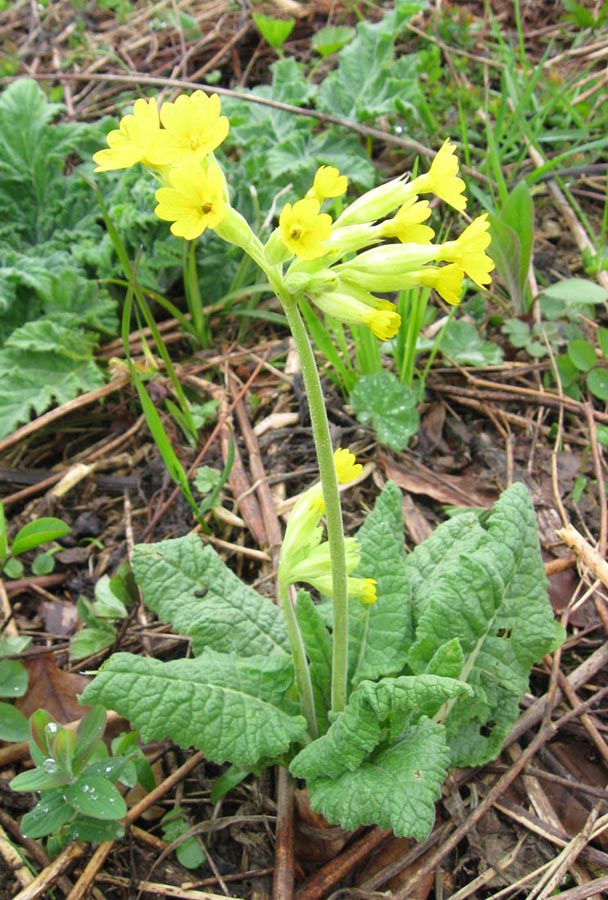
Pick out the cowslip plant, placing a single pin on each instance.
(75, 777)
(409, 663)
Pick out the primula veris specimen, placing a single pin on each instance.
(195, 200)
(367, 698)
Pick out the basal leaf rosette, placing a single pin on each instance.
(383, 760)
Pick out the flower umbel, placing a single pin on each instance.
(304, 228)
(138, 139)
(193, 125)
(195, 200)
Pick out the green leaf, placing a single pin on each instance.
(107, 605)
(581, 354)
(379, 632)
(13, 678)
(597, 382)
(43, 564)
(382, 761)
(518, 213)
(47, 817)
(30, 382)
(96, 797)
(274, 31)
(318, 649)
(462, 342)
(187, 585)
(40, 779)
(369, 78)
(89, 733)
(486, 587)
(390, 407)
(602, 339)
(576, 292)
(42, 531)
(506, 252)
(94, 831)
(331, 38)
(91, 640)
(230, 707)
(13, 646)
(14, 726)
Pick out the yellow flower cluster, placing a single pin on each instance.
(344, 285)
(304, 556)
(177, 142)
(379, 243)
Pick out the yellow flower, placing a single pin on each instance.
(363, 589)
(407, 225)
(347, 468)
(138, 139)
(303, 228)
(469, 251)
(442, 178)
(379, 316)
(328, 183)
(196, 199)
(446, 280)
(194, 126)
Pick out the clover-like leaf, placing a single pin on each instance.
(389, 406)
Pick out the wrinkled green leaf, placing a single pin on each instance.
(189, 586)
(232, 708)
(380, 632)
(484, 585)
(382, 740)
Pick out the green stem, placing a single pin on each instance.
(300, 663)
(193, 297)
(331, 496)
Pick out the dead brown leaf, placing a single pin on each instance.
(52, 689)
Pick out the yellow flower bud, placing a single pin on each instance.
(377, 203)
(379, 316)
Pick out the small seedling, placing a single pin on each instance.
(32, 535)
(75, 777)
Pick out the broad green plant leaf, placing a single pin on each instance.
(31, 382)
(48, 816)
(380, 632)
(189, 587)
(582, 354)
(95, 797)
(483, 584)
(232, 708)
(13, 678)
(41, 531)
(382, 760)
(462, 343)
(14, 726)
(274, 31)
(370, 78)
(332, 38)
(597, 382)
(389, 406)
